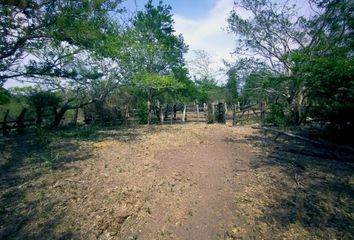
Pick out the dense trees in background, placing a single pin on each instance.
(78, 55)
(61, 46)
(302, 66)
(154, 56)
(82, 53)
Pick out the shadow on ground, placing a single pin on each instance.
(27, 210)
(302, 192)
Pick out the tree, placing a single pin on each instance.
(70, 47)
(233, 83)
(205, 77)
(28, 25)
(310, 58)
(201, 68)
(272, 33)
(152, 45)
(43, 101)
(82, 78)
(4, 96)
(326, 65)
(154, 54)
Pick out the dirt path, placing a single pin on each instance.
(180, 182)
(197, 200)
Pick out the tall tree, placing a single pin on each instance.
(81, 77)
(272, 33)
(26, 25)
(326, 65)
(154, 53)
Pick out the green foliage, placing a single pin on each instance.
(154, 63)
(327, 66)
(307, 63)
(41, 137)
(155, 47)
(233, 84)
(4, 96)
(276, 115)
(142, 111)
(15, 105)
(44, 99)
(152, 81)
(81, 23)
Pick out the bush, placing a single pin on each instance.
(41, 137)
(142, 112)
(276, 115)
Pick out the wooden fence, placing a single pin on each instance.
(20, 123)
(209, 113)
(167, 114)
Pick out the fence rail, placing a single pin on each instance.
(168, 114)
(20, 123)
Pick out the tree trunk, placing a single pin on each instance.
(21, 122)
(234, 115)
(5, 131)
(263, 111)
(58, 117)
(39, 119)
(75, 116)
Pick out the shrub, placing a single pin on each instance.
(41, 137)
(276, 115)
(142, 112)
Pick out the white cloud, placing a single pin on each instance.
(208, 33)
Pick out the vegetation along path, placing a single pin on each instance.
(192, 181)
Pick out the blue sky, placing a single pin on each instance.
(202, 24)
(188, 8)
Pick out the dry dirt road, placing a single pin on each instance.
(192, 181)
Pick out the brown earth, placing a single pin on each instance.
(192, 181)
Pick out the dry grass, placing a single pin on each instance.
(112, 184)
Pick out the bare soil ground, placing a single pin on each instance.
(192, 181)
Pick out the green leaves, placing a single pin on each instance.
(153, 43)
(148, 81)
(4, 96)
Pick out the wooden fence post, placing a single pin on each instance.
(161, 114)
(197, 106)
(174, 111)
(149, 111)
(220, 115)
(5, 131)
(210, 113)
(263, 110)
(21, 122)
(234, 115)
(184, 115)
(126, 115)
